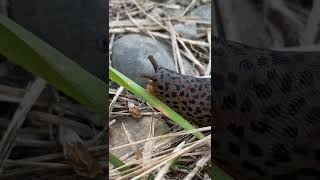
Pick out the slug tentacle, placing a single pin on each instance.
(150, 77)
(153, 62)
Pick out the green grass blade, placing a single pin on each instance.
(127, 83)
(25, 49)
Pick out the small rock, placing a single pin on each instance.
(130, 56)
(157, 13)
(172, 8)
(159, 1)
(138, 129)
(203, 12)
(183, 2)
(187, 30)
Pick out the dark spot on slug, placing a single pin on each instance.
(160, 87)
(246, 105)
(252, 167)
(218, 82)
(189, 114)
(261, 126)
(234, 148)
(209, 98)
(254, 150)
(313, 114)
(286, 84)
(290, 131)
(306, 78)
(173, 94)
(237, 131)
(262, 90)
(280, 153)
(200, 87)
(270, 164)
(232, 77)
(192, 101)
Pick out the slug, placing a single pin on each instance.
(266, 110)
(188, 96)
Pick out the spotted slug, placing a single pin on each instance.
(266, 111)
(186, 95)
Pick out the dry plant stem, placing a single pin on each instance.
(8, 139)
(113, 114)
(133, 145)
(112, 122)
(147, 22)
(149, 145)
(20, 141)
(157, 34)
(52, 119)
(175, 49)
(165, 136)
(139, 26)
(166, 167)
(312, 29)
(208, 71)
(193, 2)
(115, 98)
(38, 164)
(173, 156)
(194, 60)
(155, 160)
(199, 165)
(11, 94)
(98, 137)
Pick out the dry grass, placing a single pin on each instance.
(177, 154)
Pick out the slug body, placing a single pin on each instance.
(186, 95)
(266, 108)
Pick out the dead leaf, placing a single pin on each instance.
(133, 110)
(82, 161)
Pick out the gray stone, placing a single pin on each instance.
(157, 13)
(70, 26)
(187, 30)
(138, 129)
(130, 52)
(203, 12)
(182, 2)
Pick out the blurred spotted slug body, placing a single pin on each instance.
(186, 95)
(266, 112)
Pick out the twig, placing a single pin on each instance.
(8, 139)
